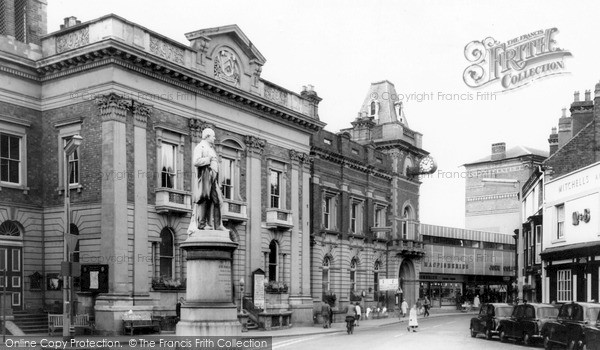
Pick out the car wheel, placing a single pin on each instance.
(473, 333)
(526, 339)
(488, 334)
(503, 336)
(547, 343)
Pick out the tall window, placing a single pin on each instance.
(72, 164)
(564, 286)
(353, 275)
(168, 165)
(373, 108)
(227, 177)
(380, 217)
(356, 219)
(530, 237)
(10, 158)
(166, 250)
(273, 260)
(326, 277)
(560, 221)
(21, 20)
(275, 184)
(327, 212)
(376, 276)
(538, 244)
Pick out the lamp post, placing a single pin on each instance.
(70, 148)
(241, 295)
(518, 231)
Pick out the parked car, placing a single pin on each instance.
(568, 329)
(489, 318)
(526, 322)
(591, 336)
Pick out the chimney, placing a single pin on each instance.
(587, 95)
(309, 93)
(498, 151)
(582, 113)
(597, 101)
(553, 140)
(564, 128)
(70, 22)
(576, 96)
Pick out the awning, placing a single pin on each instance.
(571, 251)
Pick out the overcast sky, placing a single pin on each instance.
(341, 47)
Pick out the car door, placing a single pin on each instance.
(528, 322)
(482, 318)
(511, 328)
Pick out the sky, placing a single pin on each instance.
(341, 47)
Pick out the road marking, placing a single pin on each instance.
(290, 342)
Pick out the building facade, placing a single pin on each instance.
(495, 207)
(140, 101)
(365, 204)
(570, 259)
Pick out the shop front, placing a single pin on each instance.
(453, 275)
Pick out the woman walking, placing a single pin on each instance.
(412, 319)
(404, 308)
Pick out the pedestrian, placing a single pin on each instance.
(178, 308)
(419, 307)
(413, 324)
(326, 315)
(426, 305)
(476, 302)
(358, 313)
(404, 307)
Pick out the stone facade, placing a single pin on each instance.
(140, 101)
(365, 206)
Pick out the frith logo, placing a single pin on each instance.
(515, 63)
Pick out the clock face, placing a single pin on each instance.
(427, 165)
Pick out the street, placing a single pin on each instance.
(440, 333)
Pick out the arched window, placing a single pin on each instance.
(406, 217)
(353, 264)
(166, 252)
(9, 228)
(326, 276)
(376, 276)
(373, 108)
(407, 165)
(273, 260)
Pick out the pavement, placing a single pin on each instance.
(294, 331)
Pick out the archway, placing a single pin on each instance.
(407, 281)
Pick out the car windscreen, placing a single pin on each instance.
(505, 311)
(547, 312)
(571, 312)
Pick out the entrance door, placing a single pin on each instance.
(10, 259)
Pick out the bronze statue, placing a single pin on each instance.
(207, 197)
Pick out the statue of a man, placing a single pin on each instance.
(207, 197)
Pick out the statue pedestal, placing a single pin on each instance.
(209, 309)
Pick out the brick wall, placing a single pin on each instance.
(579, 152)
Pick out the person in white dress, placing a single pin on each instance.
(413, 324)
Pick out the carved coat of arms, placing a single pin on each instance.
(227, 67)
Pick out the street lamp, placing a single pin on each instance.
(70, 148)
(518, 231)
(241, 295)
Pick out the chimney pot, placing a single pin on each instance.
(587, 95)
(576, 96)
(310, 88)
(303, 88)
(554, 130)
(564, 112)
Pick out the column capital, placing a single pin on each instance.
(113, 107)
(141, 112)
(254, 145)
(196, 127)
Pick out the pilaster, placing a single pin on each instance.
(254, 150)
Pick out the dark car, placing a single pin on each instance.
(489, 318)
(568, 329)
(526, 322)
(591, 336)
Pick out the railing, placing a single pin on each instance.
(408, 247)
(234, 210)
(252, 310)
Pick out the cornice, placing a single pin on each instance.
(349, 163)
(113, 52)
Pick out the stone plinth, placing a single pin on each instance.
(209, 309)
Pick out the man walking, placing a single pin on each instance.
(358, 312)
(426, 305)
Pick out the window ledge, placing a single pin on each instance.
(77, 187)
(25, 189)
(562, 240)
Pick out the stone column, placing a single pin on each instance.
(141, 257)
(113, 232)
(295, 265)
(254, 149)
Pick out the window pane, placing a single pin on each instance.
(168, 165)
(3, 146)
(227, 178)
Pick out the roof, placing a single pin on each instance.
(384, 93)
(577, 249)
(515, 152)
